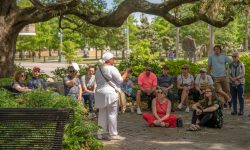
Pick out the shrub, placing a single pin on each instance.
(60, 73)
(245, 59)
(77, 134)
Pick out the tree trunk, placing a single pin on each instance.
(96, 53)
(177, 42)
(7, 54)
(211, 39)
(50, 54)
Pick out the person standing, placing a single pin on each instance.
(36, 82)
(72, 84)
(108, 82)
(217, 67)
(88, 86)
(237, 81)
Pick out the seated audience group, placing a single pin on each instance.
(34, 83)
(159, 91)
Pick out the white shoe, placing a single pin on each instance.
(138, 111)
(92, 115)
(179, 106)
(117, 137)
(132, 109)
(187, 110)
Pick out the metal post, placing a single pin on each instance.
(60, 50)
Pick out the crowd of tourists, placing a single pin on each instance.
(211, 90)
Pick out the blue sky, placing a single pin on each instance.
(137, 15)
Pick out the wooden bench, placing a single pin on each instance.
(33, 128)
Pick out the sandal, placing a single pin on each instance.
(167, 125)
(158, 124)
(193, 128)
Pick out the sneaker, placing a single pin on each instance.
(138, 111)
(240, 114)
(179, 106)
(233, 113)
(132, 109)
(167, 125)
(187, 110)
(92, 115)
(117, 137)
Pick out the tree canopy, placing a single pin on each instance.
(15, 14)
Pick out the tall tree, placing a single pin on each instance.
(13, 17)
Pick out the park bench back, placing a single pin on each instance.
(33, 128)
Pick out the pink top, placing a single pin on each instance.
(161, 108)
(147, 82)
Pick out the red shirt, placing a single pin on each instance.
(147, 82)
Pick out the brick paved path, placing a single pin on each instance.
(235, 135)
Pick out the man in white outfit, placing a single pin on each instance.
(108, 81)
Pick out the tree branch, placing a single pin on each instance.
(56, 6)
(41, 12)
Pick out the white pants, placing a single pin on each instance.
(107, 118)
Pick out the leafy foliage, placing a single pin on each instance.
(70, 51)
(60, 73)
(77, 134)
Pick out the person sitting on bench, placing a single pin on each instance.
(147, 83)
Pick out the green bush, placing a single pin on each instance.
(77, 135)
(6, 81)
(60, 73)
(245, 59)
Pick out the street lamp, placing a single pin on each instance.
(60, 39)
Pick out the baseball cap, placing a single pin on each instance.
(36, 68)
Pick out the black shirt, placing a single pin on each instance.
(165, 80)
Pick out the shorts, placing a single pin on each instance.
(222, 84)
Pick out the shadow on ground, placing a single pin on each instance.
(234, 135)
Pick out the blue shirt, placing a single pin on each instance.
(218, 64)
(35, 83)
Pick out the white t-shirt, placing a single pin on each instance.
(185, 81)
(204, 83)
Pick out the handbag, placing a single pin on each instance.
(121, 95)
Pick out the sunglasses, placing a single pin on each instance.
(234, 56)
(207, 91)
(71, 71)
(202, 72)
(37, 71)
(184, 68)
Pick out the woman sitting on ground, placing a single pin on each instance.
(207, 112)
(161, 108)
(19, 86)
